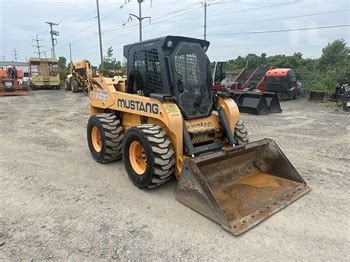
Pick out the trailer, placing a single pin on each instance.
(44, 73)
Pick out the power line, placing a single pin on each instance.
(113, 12)
(284, 30)
(171, 14)
(87, 15)
(161, 20)
(131, 27)
(254, 9)
(280, 18)
(233, 12)
(206, 5)
(67, 13)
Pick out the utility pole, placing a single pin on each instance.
(15, 54)
(3, 57)
(99, 31)
(37, 46)
(53, 40)
(139, 17)
(70, 51)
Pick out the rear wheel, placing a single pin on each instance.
(74, 85)
(241, 133)
(105, 137)
(148, 156)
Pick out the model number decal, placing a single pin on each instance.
(101, 95)
(139, 106)
(200, 125)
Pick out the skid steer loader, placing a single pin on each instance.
(164, 121)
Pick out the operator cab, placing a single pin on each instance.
(172, 66)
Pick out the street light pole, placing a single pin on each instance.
(140, 18)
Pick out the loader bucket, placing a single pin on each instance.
(240, 187)
(317, 96)
(251, 103)
(273, 102)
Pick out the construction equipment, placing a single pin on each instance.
(12, 82)
(283, 82)
(44, 73)
(80, 73)
(317, 96)
(244, 89)
(164, 121)
(343, 97)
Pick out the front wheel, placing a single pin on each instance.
(148, 156)
(67, 85)
(241, 133)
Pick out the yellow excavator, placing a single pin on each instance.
(80, 73)
(164, 122)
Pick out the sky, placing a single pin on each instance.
(234, 27)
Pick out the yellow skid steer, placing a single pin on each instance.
(164, 121)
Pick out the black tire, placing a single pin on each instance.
(111, 132)
(158, 151)
(241, 133)
(67, 85)
(74, 85)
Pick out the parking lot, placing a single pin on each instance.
(58, 203)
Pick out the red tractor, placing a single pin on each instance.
(11, 82)
(283, 82)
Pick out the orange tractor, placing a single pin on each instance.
(11, 82)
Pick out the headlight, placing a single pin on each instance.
(169, 44)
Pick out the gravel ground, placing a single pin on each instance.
(57, 203)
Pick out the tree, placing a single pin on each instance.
(62, 67)
(109, 63)
(334, 55)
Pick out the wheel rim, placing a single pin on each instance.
(137, 158)
(96, 139)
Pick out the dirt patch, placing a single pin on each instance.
(57, 203)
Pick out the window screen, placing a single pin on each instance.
(146, 62)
